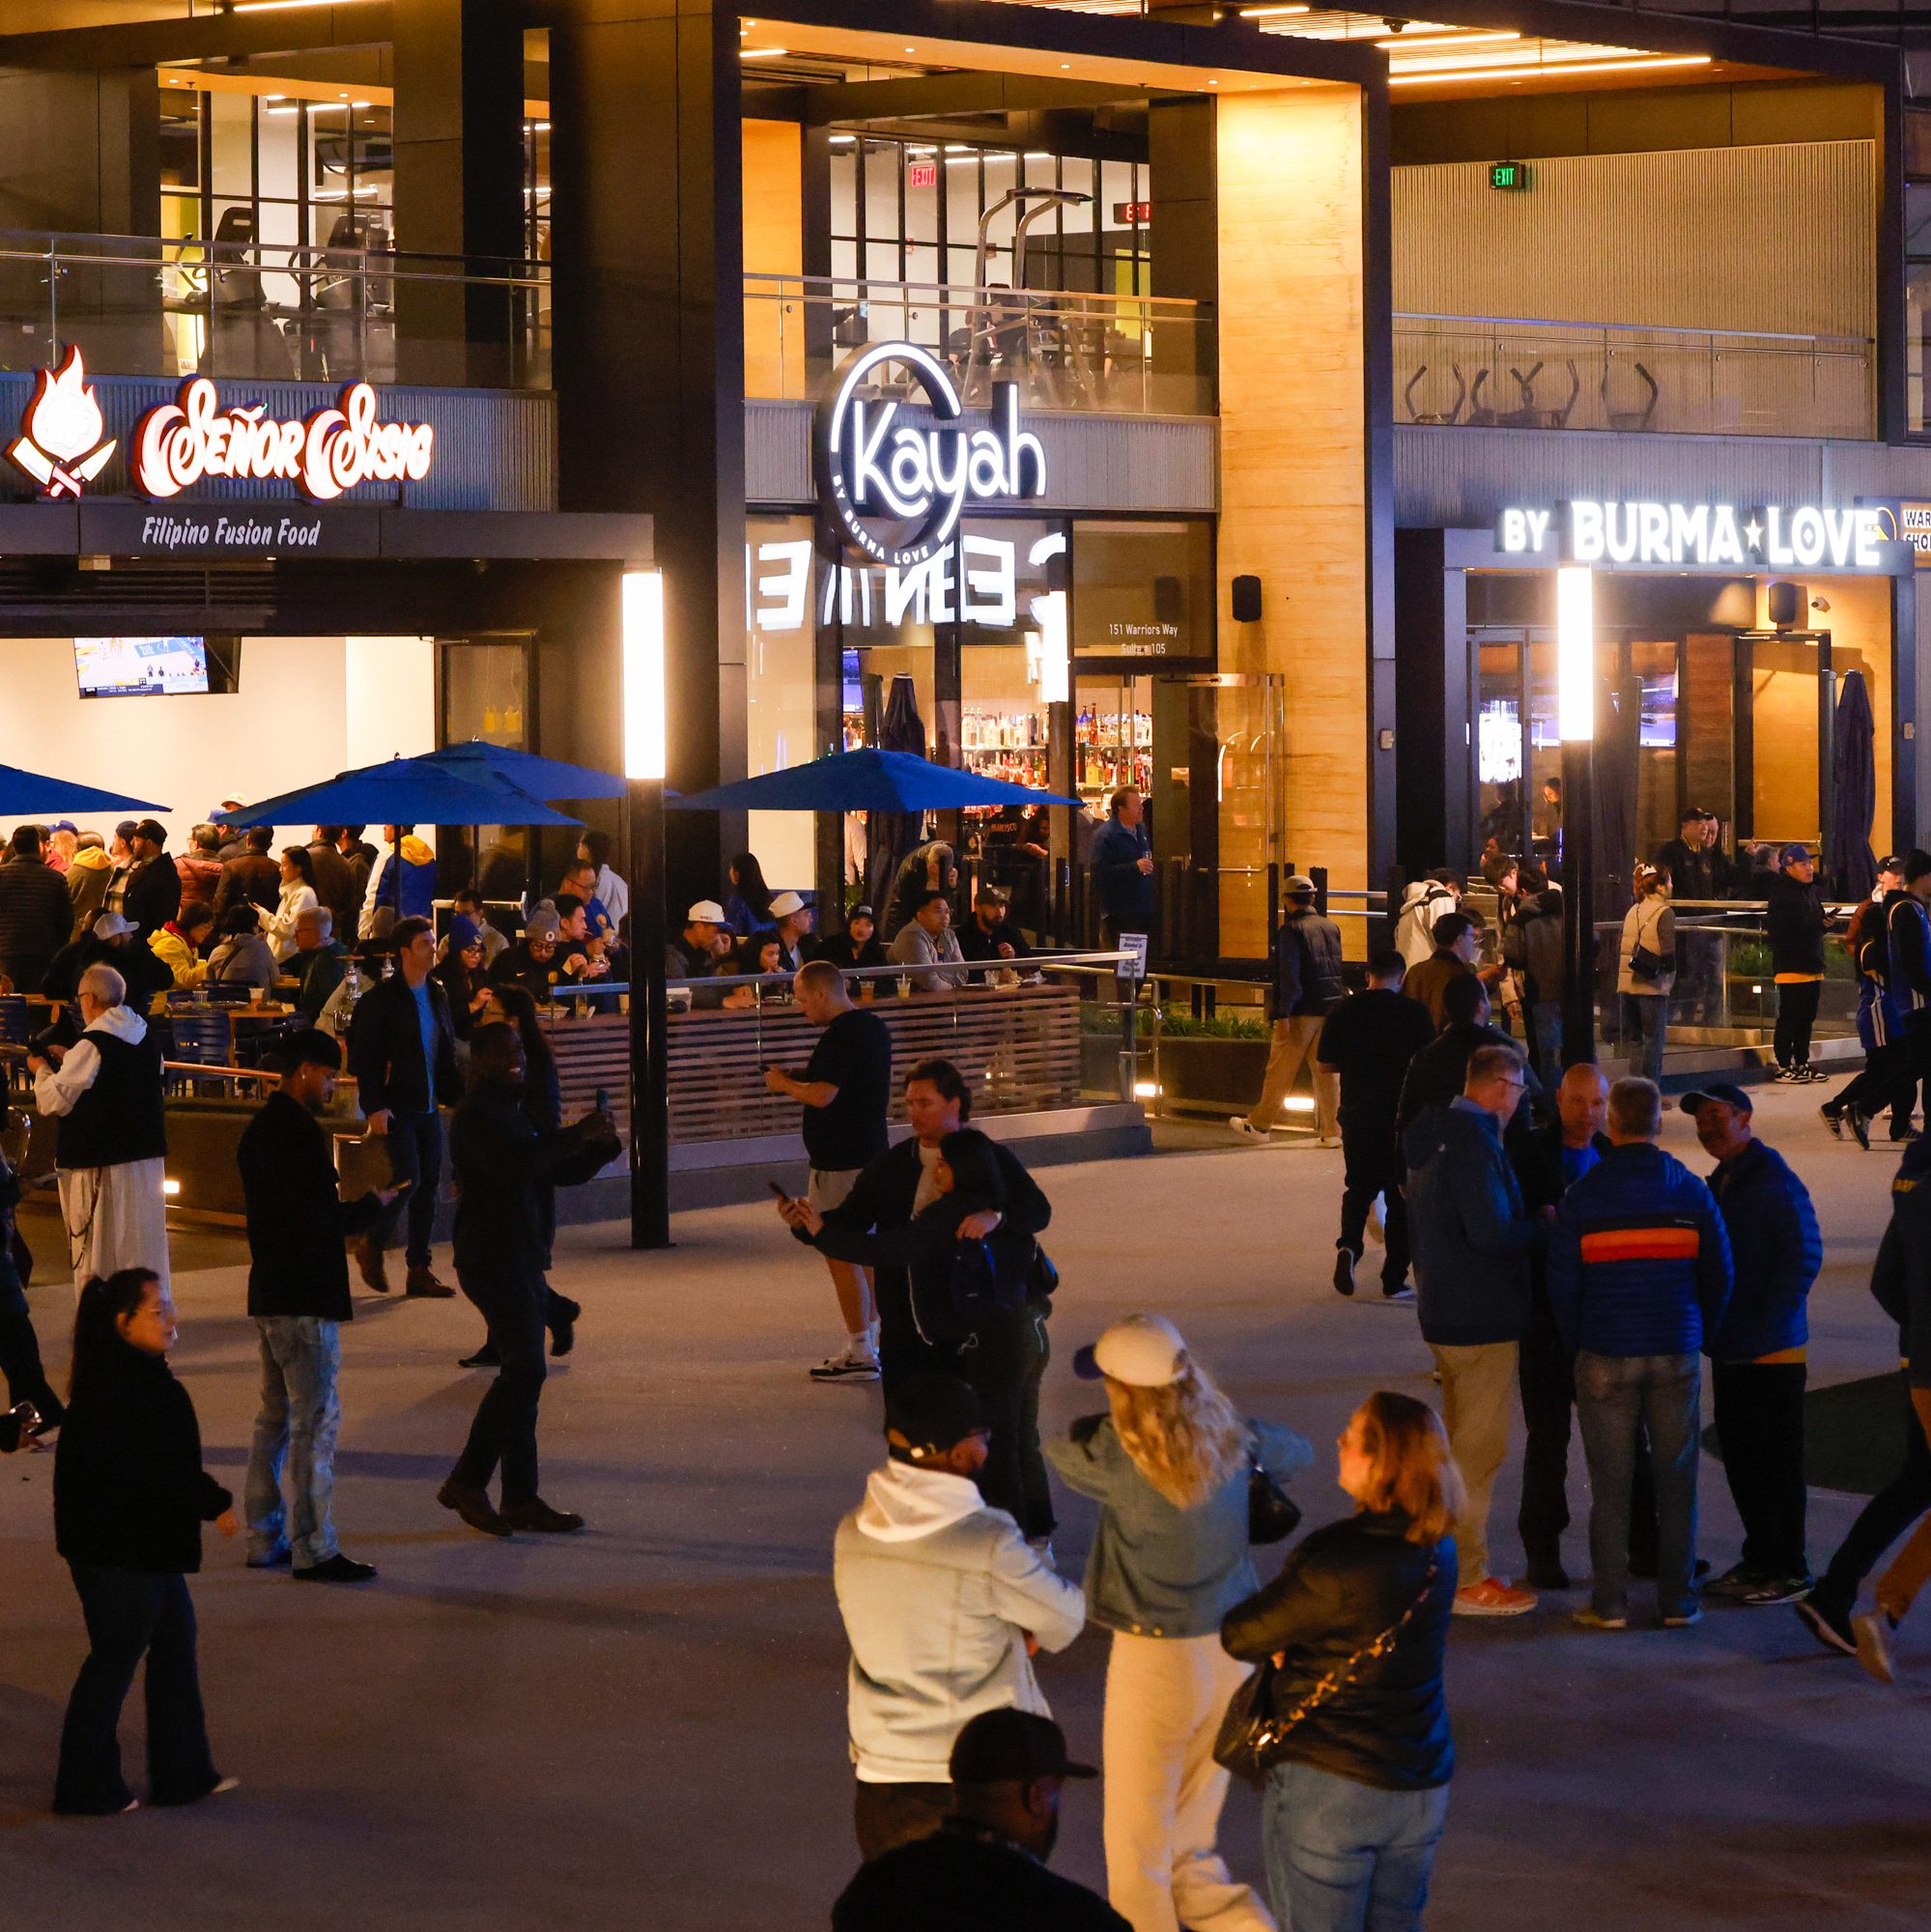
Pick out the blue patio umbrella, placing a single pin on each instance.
(865, 781)
(406, 791)
(538, 777)
(27, 795)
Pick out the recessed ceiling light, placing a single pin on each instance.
(1065, 66)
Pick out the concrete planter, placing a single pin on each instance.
(1221, 1073)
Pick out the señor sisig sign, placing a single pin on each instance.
(896, 490)
(1775, 538)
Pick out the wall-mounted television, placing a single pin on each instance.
(140, 666)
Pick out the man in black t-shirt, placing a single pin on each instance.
(844, 1090)
(985, 1866)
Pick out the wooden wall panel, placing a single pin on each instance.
(1293, 445)
(774, 190)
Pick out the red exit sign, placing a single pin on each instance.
(1132, 213)
(921, 174)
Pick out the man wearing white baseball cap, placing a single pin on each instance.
(791, 920)
(1170, 1465)
(692, 953)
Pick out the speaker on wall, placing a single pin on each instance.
(1787, 605)
(1246, 600)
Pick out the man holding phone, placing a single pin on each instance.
(844, 1091)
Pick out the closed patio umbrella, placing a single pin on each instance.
(1853, 789)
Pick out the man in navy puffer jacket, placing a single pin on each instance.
(1639, 1280)
(1756, 1361)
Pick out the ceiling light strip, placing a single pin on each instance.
(1556, 73)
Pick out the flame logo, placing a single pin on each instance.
(60, 443)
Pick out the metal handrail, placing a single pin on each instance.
(1862, 342)
(964, 295)
(343, 261)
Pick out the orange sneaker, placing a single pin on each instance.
(1493, 1597)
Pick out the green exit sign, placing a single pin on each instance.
(1508, 175)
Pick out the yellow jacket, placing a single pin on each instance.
(177, 957)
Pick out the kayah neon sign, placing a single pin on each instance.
(322, 454)
(1806, 538)
(872, 468)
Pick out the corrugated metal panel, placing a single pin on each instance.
(1161, 463)
(1461, 479)
(1707, 237)
(495, 449)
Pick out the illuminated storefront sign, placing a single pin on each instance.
(974, 581)
(63, 443)
(1807, 537)
(330, 450)
(893, 489)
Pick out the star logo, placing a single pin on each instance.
(1753, 534)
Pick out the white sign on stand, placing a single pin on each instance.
(1135, 943)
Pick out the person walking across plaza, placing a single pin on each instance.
(20, 1365)
(1436, 1073)
(986, 1866)
(1901, 1283)
(130, 1495)
(1884, 1080)
(298, 1299)
(1473, 1239)
(502, 1164)
(110, 1144)
(1356, 1622)
(1638, 1281)
(1170, 1462)
(1795, 922)
(402, 1050)
(1367, 1042)
(1546, 1164)
(1646, 970)
(1908, 951)
(1457, 947)
(1758, 1352)
(1306, 986)
(944, 1604)
(845, 1090)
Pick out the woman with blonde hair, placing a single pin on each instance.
(1170, 1465)
(1359, 1756)
(1647, 969)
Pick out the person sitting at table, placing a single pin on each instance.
(469, 904)
(241, 956)
(930, 944)
(858, 945)
(531, 963)
(989, 934)
(298, 895)
(110, 941)
(581, 954)
(319, 960)
(793, 927)
(462, 976)
(748, 903)
(177, 944)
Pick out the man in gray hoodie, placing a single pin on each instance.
(944, 1604)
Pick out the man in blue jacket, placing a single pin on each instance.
(1472, 1239)
(1122, 868)
(1757, 1357)
(1639, 1280)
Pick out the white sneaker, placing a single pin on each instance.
(1377, 1221)
(846, 1368)
(1241, 1125)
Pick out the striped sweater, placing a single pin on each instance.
(1639, 1259)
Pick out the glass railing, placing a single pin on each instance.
(139, 306)
(1111, 354)
(1501, 372)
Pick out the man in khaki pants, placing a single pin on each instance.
(1307, 986)
(1472, 1240)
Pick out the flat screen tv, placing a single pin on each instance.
(141, 666)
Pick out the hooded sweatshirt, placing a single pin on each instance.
(938, 1592)
(403, 878)
(87, 875)
(106, 1093)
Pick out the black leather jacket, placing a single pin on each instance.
(1343, 1587)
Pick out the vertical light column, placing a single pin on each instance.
(1576, 722)
(645, 746)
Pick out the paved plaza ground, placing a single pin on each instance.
(644, 1727)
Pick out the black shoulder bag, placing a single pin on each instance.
(1273, 1515)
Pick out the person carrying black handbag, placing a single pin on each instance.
(1348, 1724)
(1177, 1473)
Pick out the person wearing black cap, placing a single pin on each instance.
(299, 1298)
(989, 934)
(1306, 987)
(984, 1869)
(1884, 1080)
(146, 890)
(944, 1604)
(1795, 921)
(858, 945)
(1757, 1354)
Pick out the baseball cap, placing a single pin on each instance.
(1793, 854)
(1717, 1089)
(934, 1413)
(861, 911)
(62, 824)
(706, 912)
(992, 896)
(1012, 1747)
(1144, 1352)
(785, 904)
(1299, 886)
(111, 926)
(1894, 863)
(154, 829)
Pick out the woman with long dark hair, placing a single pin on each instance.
(747, 903)
(129, 1498)
(1355, 1624)
(297, 896)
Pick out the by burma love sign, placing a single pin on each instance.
(1807, 536)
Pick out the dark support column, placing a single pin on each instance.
(1184, 241)
(815, 255)
(1378, 394)
(649, 264)
(458, 183)
(1431, 703)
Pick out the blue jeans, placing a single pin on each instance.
(131, 1614)
(1343, 1857)
(1645, 1016)
(416, 1155)
(1615, 1394)
(298, 1424)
